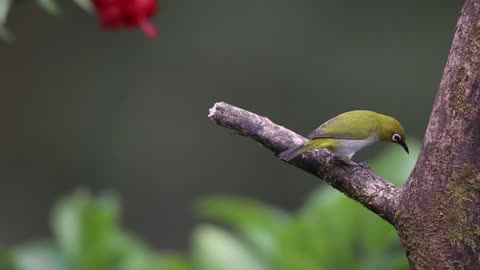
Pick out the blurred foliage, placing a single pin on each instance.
(50, 6)
(4, 9)
(88, 236)
(331, 231)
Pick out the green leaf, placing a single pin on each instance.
(259, 223)
(136, 256)
(293, 250)
(6, 258)
(167, 261)
(334, 232)
(50, 6)
(39, 256)
(88, 231)
(327, 228)
(85, 5)
(4, 10)
(216, 249)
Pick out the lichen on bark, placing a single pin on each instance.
(462, 192)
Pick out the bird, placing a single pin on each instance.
(349, 132)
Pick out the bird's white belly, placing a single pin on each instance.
(348, 148)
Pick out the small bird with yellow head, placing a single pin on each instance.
(347, 133)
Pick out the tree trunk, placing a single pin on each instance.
(438, 218)
(437, 212)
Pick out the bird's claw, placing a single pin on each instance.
(334, 159)
(346, 161)
(362, 164)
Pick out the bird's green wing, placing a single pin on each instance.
(355, 125)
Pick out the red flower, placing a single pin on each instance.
(114, 14)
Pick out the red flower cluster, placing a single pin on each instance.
(114, 14)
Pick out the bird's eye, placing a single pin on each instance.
(396, 138)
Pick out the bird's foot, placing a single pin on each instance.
(362, 164)
(347, 161)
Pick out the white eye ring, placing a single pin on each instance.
(396, 138)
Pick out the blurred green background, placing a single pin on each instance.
(328, 232)
(116, 111)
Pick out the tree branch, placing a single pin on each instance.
(359, 183)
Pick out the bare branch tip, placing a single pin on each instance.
(212, 111)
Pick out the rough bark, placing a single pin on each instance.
(437, 213)
(438, 219)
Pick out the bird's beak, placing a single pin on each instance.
(404, 145)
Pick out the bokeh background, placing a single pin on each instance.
(115, 111)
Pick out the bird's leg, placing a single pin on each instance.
(362, 164)
(338, 159)
(330, 159)
(349, 161)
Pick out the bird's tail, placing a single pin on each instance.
(293, 152)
